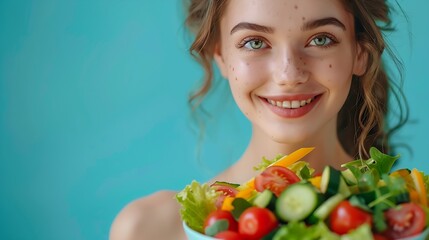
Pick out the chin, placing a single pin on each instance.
(297, 139)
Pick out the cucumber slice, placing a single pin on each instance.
(297, 202)
(402, 197)
(265, 199)
(323, 211)
(349, 177)
(368, 196)
(332, 182)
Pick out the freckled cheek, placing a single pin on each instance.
(336, 71)
(248, 74)
(244, 80)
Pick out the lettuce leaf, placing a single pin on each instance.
(302, 169)
(297, 231)
(426, 209)
(368, 172)
(300, 231)
(197, 201)
(266, 162)
(426, 182)
(362, 232)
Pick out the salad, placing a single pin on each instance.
(287, 200)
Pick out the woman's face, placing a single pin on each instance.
(289, 64)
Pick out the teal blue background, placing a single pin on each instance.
(94, 114)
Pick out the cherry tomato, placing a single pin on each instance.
(378, 237)
(225, 190)
(407, 220)
(229, 235)
(276, 179)
(346, 217)
(221, 215)
(255, 222)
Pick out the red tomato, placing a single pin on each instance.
(225, 190)
(229, 235)
(220, 215)
(379, 237)
(255, 222)
(346, 217)
(276, 179)
(407, 220)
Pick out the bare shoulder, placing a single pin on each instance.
(152, 217)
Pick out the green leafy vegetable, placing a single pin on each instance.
(296, 231)
(302, 169)
(324, 232)
(368, 180)
(197, 201)
(362, 232)
(380, 161)
(426, 182)
(396, 185)
(226, 184)
(379, 219)
(299, 231)
(217, 227)
(240, 204)
(359, 202)
(266, 162)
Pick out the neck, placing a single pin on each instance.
(328, 151)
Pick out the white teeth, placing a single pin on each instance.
(296, 104)
(286, 104)
(290, 104)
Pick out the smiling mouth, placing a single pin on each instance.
(293, 104)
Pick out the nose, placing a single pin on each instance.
(290, 69)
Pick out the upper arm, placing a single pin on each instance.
(127, 222)
(152, 217)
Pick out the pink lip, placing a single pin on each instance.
(292, 112)
(291, 97)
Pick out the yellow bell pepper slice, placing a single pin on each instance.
(420, 186)
(316, 181)
(288, 160)
(227, 203)
(414, 196)
(404, 173)
(245, 193)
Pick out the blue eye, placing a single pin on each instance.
(322, 41)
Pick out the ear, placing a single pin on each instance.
(220, 62)
(361, 60)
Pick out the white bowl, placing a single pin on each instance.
(194, 235)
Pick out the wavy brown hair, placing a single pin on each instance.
(361, 121)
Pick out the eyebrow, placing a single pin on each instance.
(306, 26)
(251, 26)
(323, 22)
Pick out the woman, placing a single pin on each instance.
(305, 73)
